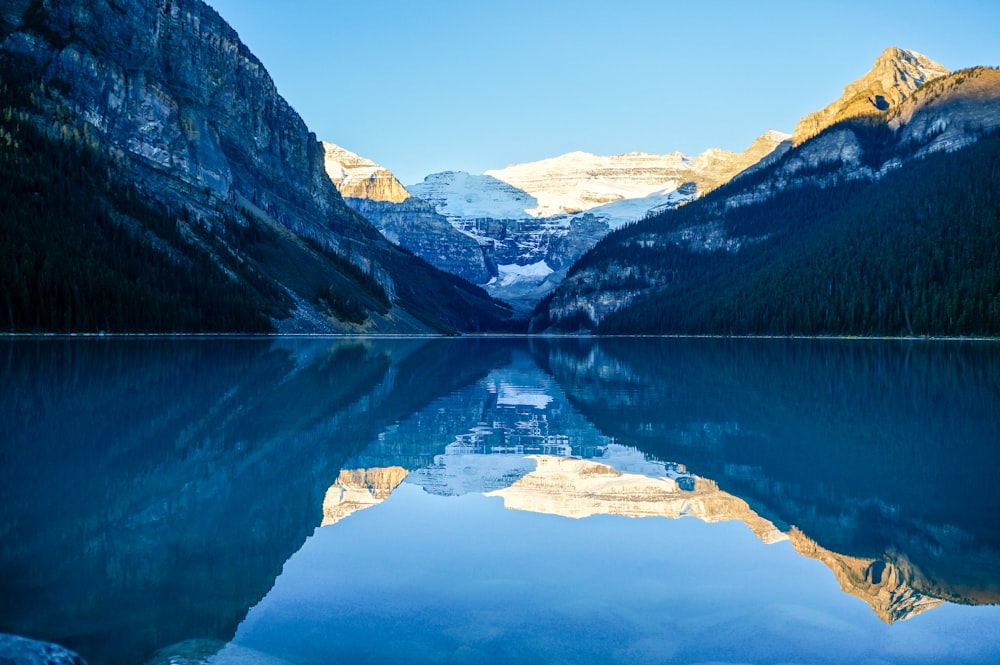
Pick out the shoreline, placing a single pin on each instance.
(272, 336)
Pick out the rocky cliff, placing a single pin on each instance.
(171, 85)
(417, 226)
(894, 76)
(194, 124)
(360, 178)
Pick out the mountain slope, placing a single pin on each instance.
(375, 193)
(183, 118)
(871, 227)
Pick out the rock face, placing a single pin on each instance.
(895, 75)
(172, 85)
(417, 226)
(375, 193)
(950, 112)
(360, 178)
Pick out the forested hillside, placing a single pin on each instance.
(913, 254)
(80, 252)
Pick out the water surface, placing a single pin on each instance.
(502, 501)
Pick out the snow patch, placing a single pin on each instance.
(511, 274)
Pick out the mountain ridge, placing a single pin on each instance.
(894, 76)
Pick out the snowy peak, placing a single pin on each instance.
(580, 181)
(360, 178)
(460, 195)
(894, 76)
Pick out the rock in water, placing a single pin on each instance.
(22, 651)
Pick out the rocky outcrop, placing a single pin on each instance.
(360, 178)
(894, 76)
(172, 86)
(878, 582)
(357, 489)
(417, 226)
(22, 651)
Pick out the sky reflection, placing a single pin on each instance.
(424, 578)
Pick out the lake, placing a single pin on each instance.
(511, 500)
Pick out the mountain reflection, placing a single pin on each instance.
(151, 491)
(877, 450)
(577, 488)
(877, 459)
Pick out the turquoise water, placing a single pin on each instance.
(502, 500)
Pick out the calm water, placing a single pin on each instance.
(502, 501)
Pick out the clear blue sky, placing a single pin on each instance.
(470, 85)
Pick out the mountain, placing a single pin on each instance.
(894, 76)
(883, 224)
(157, 182)
(536, 219)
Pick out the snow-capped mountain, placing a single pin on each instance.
(463, 197)
(528, 251)
(618, 188)
(516, 230)
(580, 181)
(537, 218)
